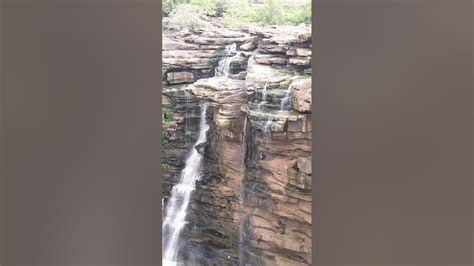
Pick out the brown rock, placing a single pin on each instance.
(179, 77)
(248, 46)
(300, 61)
(259, 74)
(293, 51)
(302, 95)
(270, 59)
(303, 52)
(304, 164)
(284, 34)
(273, 48)
(214, 41)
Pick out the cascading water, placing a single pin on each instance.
(223, 68)
(264, 97)
(285, 105)
(230, 49)
(177, 206)
(286, 101)
(268, 125)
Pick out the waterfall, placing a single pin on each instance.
(268, 125)
(223, 68)
(180, 196)
(286, 101)
(264, 97)
(265, 92)
(230, 49)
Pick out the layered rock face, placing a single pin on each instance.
(214, 215)
(180, 120)
(189, 56)
(277, 183)
(253, 203)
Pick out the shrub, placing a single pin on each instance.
(210, 7)
(165, 166)
(238, 12)
(166, 117)
(214, 8)
(187, 16)
(270, 13)
(302, 14)
(189, 133)
(274, 12)
(169, 5)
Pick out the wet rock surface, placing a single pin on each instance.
(196, 52)
(253, 202)
(180, 122)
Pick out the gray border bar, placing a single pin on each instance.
(392, 133)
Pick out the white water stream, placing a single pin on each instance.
(176, 209)
(264, 97)
(223, 68)
(286, 101)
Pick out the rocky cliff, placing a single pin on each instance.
(253, 203)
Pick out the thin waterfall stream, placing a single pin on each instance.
(176, 209)
(264, 97)
(223, 67)
(286, 101)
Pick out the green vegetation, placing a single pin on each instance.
(169, 5)
(165, 166)
(165, 116)
(166, 122)
(190, 13)
(164, 140)
(276, 12)
(189, 133)
(213, 8)
(187, 16)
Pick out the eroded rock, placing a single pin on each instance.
(270, 59)
(179, 77)
(302, 99)
(248, 46)
(300, 61)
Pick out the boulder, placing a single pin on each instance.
(299, 52)
(304, 164)
(248, 46)
(259, 74)
(179, 77)
(302, 95)
(300, 61)
(270, 59)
